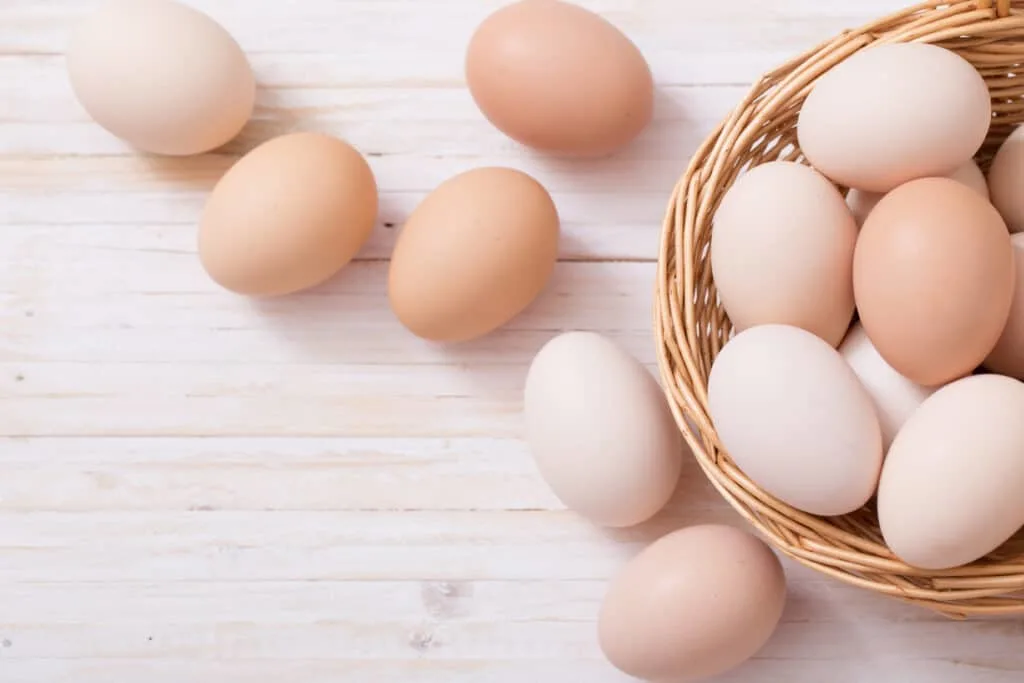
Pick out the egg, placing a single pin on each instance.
(600, 430)
(1006, 180)
(895, 397)
(474, 254)
(795, 419)
(1007, 357)
(892, 113)
(693, 605)
(559, 78)
(969, 174)
(288, 215)
(782, 251)
(951, 487)
(933, 279)
(160, 75)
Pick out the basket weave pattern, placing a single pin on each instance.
(691, 327)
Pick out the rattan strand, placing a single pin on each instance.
(690, 326)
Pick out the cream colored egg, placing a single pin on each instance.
(895, 397)
(1006, 180)
(600, 430)
(782, 251)
(160, 75)
(861, 203)
(894, 112)
(951, 488)
(795, 418)
(695, 604)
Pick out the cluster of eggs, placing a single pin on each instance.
(293, 211)
(880, 336)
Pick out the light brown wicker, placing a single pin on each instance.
(690, 326)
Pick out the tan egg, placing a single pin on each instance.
(473, 255)
(795, 418)
(600, 430)
(782, 251)
(951, 487)
(1006, 180)
(1007, 358)
(895, 397)
(559, 78)
(894, 112)
(693, 605)
(288, 215)
(861, 202)
(161, 76)
(934, 279)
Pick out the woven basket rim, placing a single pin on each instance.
(990, 33)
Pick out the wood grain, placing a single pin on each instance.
(195, 487)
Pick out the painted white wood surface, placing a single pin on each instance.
(197, 488)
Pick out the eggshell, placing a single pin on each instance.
(1007, 357)
(861, 203)
(1006, 180)
(934, 278)
(160, 75)
(559, 78)
(600, 430)
(895, 397)
(693, 605)
(782, 251)
(473, 255)
(951, 487)
(795, 418)
(288, 215)
(892, 113)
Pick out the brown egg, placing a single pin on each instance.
(1007, 358)
(559, 78)
(933, 278)
(288, 215)
(695, 604)
(473, 255)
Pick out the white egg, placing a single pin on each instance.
(600, 430)
(895, 397)
(794, 417)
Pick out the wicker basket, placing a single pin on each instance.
(691, 327)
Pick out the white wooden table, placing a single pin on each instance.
(197, 488)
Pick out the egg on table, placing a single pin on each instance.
(474, 254)
(951, 487)
(160, 75)
(892, 113)
(782, 251)
(559, 78)
(600, 430)
(796, 420)
(288, 215)
(695, 604)
(933, 277)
